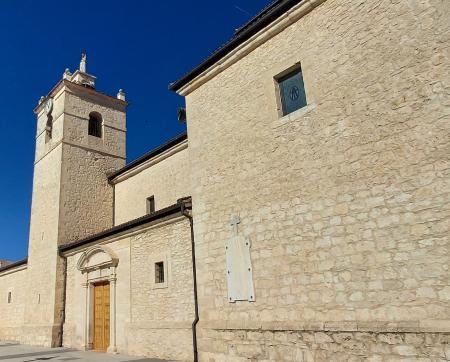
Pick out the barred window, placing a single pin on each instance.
(95, 124)
(159, 272)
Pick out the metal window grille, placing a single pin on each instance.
(159, 272)
(95, 126)
(150, 204)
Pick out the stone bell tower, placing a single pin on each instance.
(80, 139)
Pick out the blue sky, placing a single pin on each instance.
(138, 45)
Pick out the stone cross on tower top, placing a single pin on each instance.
(81, 76)
(83, 63)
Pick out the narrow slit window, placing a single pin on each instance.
(49, 128)
(150, 204)
(159, 272)
(9, 297)
(292, 91)
(95, 125)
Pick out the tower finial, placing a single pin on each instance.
(83, 63)
(121, 95)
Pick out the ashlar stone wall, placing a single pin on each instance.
(162, 314)
(71, 197)
(346, 201)
(151, 319)
(12, 311)
(76, 296)
(87, 196)
(313, 346)
(40, 322)
(166, 178)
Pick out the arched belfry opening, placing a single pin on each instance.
(95, 124)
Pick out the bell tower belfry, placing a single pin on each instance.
(80, 139)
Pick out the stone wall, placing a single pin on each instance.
(86, 194)
(162, 315)
(346, 201)
(76, 313)
(153, 320)
(78, 105)
(12, 281)
(166, 179)
(314, 346)
(71, 197)
(40, 324)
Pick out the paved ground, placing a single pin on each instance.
(21, 353)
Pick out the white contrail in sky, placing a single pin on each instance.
(242, 10)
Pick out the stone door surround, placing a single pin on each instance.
(98, 264)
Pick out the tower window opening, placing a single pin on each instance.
(9, 297)
(95, 125)
(49, 128)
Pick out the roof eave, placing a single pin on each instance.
(149, 155)
(168, 212)
(66, 82)
(14, 265)
(243, 35)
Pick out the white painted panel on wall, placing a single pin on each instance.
(239, 267)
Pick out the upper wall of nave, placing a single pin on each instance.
(162, 174)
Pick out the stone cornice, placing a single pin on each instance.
(154, 218)
(14, 267)
(150, 162)
(422, 326)
(76, 88)
(156, 155)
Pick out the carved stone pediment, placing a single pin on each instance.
(97, 257)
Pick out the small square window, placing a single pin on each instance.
(292, 91)
(159, 272)
(9, 297)
(150, 204)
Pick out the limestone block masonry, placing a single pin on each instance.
(71, 197)
(150, 319)
(166, 179)
(346, 201)
(13, 286)
(162, 315)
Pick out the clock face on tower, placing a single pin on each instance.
(49, 106)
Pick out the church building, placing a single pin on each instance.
(303, 216)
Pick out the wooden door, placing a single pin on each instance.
(101, 316)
